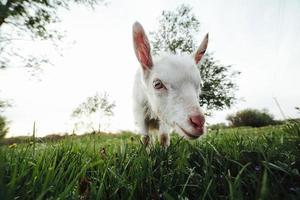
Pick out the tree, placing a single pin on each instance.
(176, 34)
(218, 85)
(251, 117)
(29, 18)
(3, 127)
(92, 111)
(3, 121)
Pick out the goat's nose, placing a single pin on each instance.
(197, 121)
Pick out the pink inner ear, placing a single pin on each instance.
(143, 51)
(201, 50)
(199, 56)
(142, 46)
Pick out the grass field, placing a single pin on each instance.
(244, 163)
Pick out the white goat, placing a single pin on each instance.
(166, 90)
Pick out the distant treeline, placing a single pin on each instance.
(273, 123)
(50, 138)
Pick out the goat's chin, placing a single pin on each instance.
(190, 135)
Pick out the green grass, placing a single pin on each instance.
(240, 163)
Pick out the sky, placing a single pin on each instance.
(258, 38)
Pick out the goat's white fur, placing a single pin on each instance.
(171, 106)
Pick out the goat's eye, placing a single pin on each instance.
(157, 84)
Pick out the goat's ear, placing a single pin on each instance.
(201, 50)
(141, 46)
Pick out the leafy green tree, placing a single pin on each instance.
(251, 117)
(30, 18)
(3, 121)
(3, 127)
(92, 111)
(176, 34)
(218, 86)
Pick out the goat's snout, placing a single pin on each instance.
(197, 121)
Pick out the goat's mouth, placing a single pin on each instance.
(190, 136)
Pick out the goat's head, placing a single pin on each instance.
(172, 85)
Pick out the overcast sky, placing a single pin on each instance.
(259, 38)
